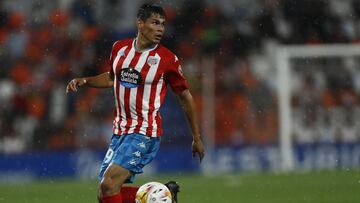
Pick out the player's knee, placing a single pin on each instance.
(107, 186)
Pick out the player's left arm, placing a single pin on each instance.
(187, 102)
(174, 76)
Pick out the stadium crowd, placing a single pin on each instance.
(44, 44)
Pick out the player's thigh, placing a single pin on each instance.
(116, 141)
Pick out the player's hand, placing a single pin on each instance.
(74, 84)
(198, 148)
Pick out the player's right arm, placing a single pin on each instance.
(103, 80)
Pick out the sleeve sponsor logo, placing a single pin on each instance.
(121, 53)
(180, 71)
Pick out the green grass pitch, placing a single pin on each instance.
(315, 187)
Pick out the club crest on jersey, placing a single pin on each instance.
(152, 60)
(129, 77)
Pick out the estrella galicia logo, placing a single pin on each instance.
(129, 77)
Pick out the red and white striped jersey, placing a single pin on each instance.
(140, 81)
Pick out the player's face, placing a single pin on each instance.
(153, 28)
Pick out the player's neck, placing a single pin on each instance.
(143, 45)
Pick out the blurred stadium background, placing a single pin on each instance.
(276, 84)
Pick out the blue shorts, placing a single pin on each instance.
(130, 151)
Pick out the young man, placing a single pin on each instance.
(140, 70)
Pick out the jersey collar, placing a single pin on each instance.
(145, 50)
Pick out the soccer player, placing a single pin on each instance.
(140, 71)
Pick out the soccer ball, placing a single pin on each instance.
(153, 192)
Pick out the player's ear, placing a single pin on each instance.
(139, 23)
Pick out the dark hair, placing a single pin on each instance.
(146, 10)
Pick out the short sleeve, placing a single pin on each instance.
(111, 59)
(174, 76)
(112, 53)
